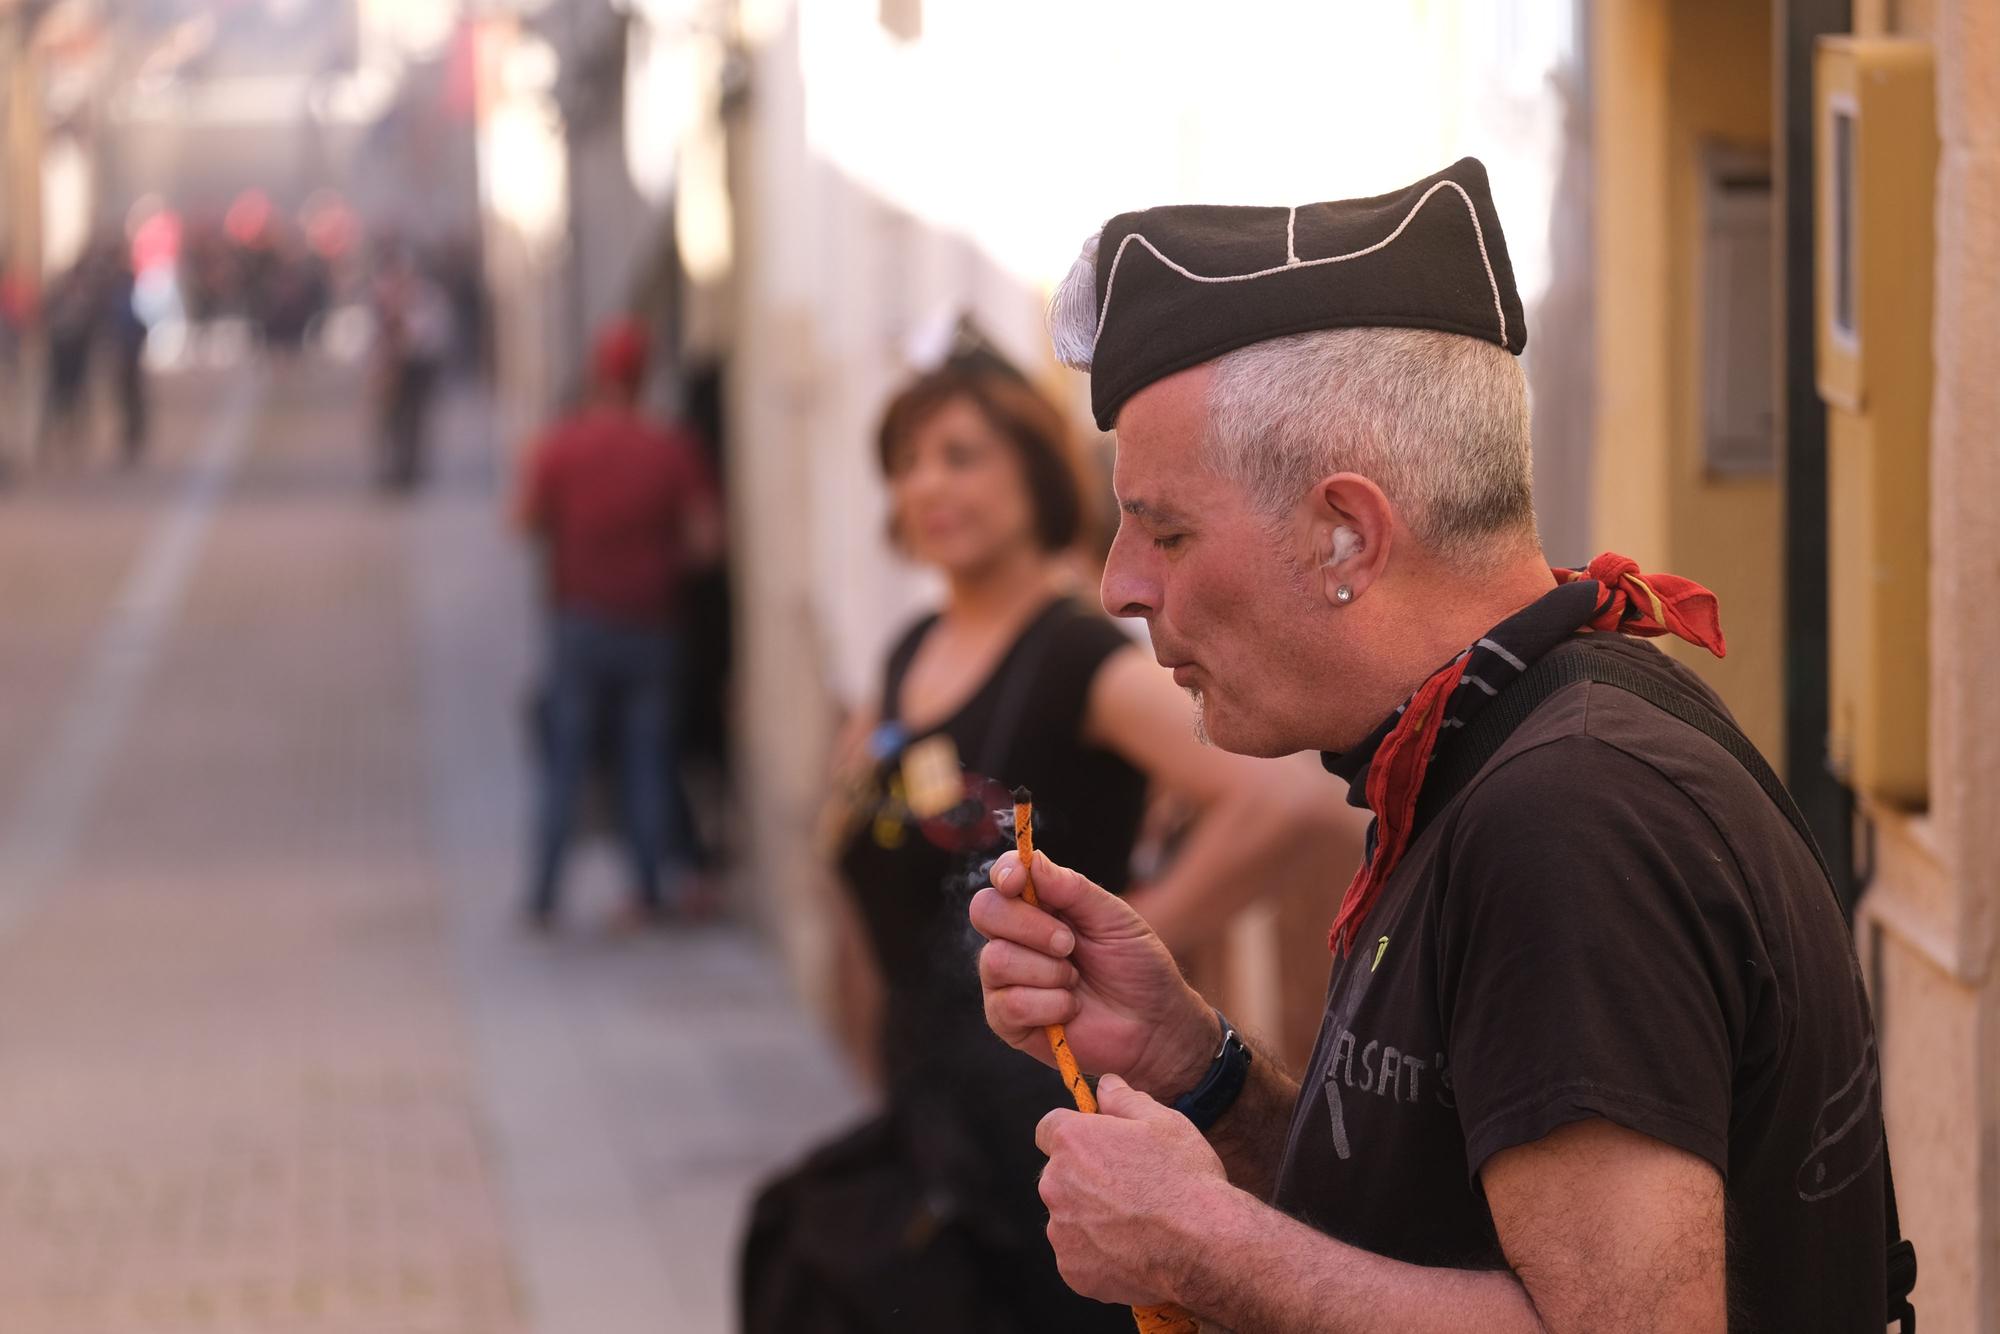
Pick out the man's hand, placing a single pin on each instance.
(1084, 958)
(1126, 1192)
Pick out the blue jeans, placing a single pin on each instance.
(598, 671)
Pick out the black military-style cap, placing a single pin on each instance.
(1183, 284)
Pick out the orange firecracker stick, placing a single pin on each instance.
(1150, 1319)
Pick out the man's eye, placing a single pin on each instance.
(1168, 543)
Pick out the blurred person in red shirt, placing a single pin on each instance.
(628, 512)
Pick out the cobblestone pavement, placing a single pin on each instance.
(273, 1057)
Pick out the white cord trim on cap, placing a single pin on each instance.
(1291, 234)
(1293, 262)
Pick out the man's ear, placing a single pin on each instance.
(1352, 525)
(1346, 544)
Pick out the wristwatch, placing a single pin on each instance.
(1217, 1091)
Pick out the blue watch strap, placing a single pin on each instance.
(1216, 1093)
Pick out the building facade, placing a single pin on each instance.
(1690, 94)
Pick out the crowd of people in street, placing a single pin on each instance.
(168, 289)
(624, 509)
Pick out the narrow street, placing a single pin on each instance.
(275, 1055)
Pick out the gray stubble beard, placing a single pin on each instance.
(1200, 717)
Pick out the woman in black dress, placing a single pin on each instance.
(1015, 680)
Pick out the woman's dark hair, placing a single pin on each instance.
(1022, 417)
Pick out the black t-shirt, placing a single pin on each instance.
(964, 1103)
(1023, 727)
(1611, 920)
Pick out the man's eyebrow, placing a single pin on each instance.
(1151, 513)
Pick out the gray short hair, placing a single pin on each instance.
(1439, 421)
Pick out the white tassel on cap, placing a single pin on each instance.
(1073, 310)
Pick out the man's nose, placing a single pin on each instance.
(1128, 589)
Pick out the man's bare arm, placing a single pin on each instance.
(1604, 1229)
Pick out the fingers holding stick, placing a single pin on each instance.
(1024, 843)
(1149, 1319)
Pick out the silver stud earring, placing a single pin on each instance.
(1343, 595)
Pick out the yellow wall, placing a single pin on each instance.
(1667, 73)
(1671, 79)
(1930, 922)
(1629, 502)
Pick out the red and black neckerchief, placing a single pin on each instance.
(1610, 594)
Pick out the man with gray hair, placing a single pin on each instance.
(1596, 1054)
